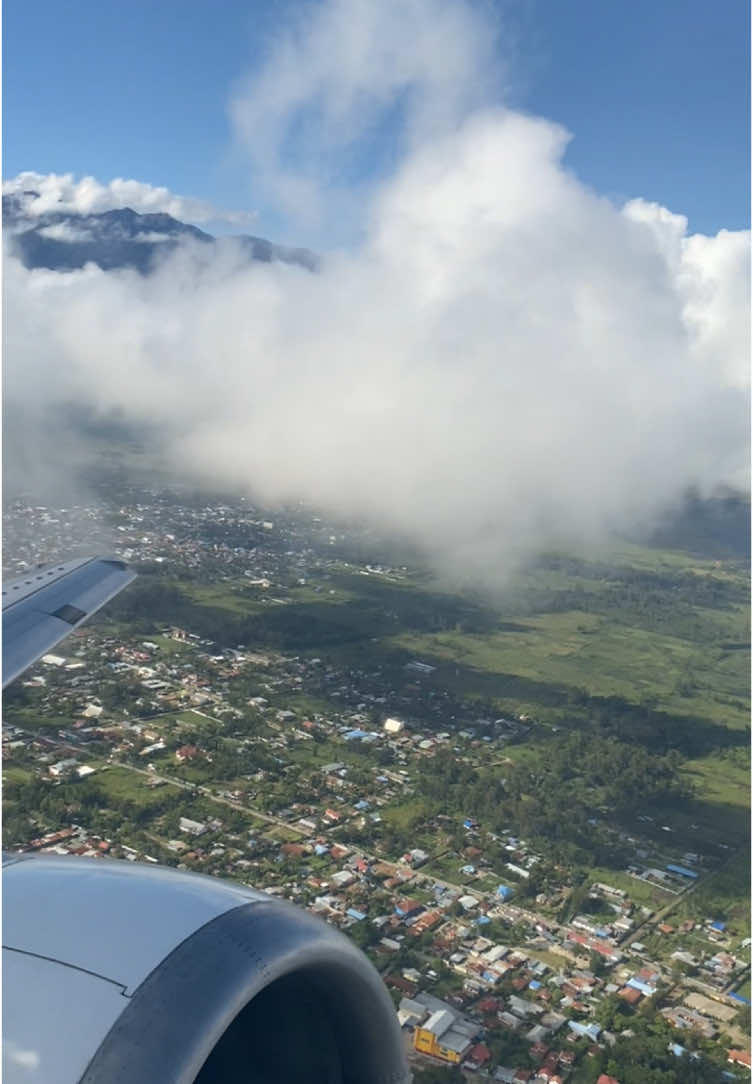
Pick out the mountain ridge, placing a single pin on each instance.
(122, 238)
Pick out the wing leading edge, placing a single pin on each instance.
(43, 606)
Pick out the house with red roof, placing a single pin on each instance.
(480, 1054)
(187, 752)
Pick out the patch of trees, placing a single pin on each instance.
(438, 1074)
(657, 731)
(666, 600)
(645, 1057)
(553, 798)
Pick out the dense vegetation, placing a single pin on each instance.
(555, 796)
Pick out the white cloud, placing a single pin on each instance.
(20, 1058)
(62, 192)
(343, 76)
(505, 362)
(66, 231)
(151, 238)
(714, 274)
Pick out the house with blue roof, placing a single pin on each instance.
(591, 1031)
(682, 871)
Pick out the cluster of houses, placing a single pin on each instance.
(459, 1028)
(539, 986)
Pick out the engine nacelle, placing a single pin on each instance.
(116, 971)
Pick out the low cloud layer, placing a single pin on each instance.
(503, 363)
(62, 193)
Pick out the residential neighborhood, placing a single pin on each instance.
(143, 739)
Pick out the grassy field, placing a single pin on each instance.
(280, 834)
(639, 891)
(36, 720)
(651, 626)
(407, 814)
(722, 779)
(234, 596)
(304, 704)
(15, 776)
(446, 868)
(313, 756)
(188, 719)
(658, 627)
(582, 650)
(122, 786)
(241, 597)
(171, 649)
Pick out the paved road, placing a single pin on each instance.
(207, 792)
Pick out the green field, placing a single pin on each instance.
(724, 779)
(188, 719)
(406, 815)
(641, 892)
(15, 776)
(575, 650)
(234, 596)
(122, 786)
(280, 834)
(649, 626)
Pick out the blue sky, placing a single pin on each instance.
(656, 94)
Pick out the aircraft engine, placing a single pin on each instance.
(121, 972)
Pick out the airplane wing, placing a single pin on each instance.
(43, 606)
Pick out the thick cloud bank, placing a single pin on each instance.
(505, 362)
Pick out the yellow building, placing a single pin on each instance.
(443, 1037)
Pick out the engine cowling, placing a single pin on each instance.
(116, 971)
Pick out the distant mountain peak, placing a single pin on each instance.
(120, 238)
